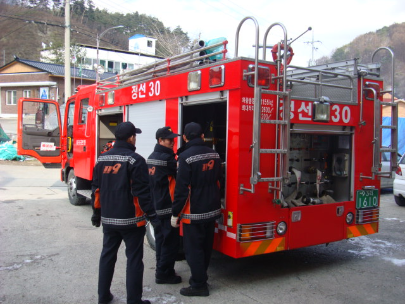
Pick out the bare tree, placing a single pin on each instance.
(170, 43)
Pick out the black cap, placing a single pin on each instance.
(192, 130)
(125, 130)
(165, 132)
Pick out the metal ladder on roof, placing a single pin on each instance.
(393, 127)
(282, 134)
(199, 55)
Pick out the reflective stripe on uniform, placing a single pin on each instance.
(201, 216)
(164, 211)
(199, 157)
(119, 158)
(122, 222)
(156, 162)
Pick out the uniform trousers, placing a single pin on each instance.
(198, 240)
(167, 247)
(133, 239)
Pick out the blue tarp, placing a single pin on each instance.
(3, 135)
(386, 134)
(9, 152)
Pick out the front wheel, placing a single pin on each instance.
(150, 236)
(400, 200)
(74, 198)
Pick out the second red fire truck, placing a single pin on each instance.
(301, 146)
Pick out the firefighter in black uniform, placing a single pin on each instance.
(162, 178)
(197, 203)
(121, 202)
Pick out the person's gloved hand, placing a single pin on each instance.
(155, 223)
(96, 219)
(174, 221)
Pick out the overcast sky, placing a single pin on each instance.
(334, 23)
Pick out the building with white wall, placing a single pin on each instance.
(141, 43)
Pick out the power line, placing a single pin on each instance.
(312, 42)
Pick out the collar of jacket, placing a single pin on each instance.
(124, 144)
(163, 149)
(194, 142)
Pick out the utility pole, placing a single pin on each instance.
(68, 82)
(312, 61)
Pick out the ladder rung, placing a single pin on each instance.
(270, 179)
(383, 173)
(387, 150)
(386, 103)
(389, 127)
(278, 122)
(274, 151)
(279, 93)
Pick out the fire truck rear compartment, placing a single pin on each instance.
(321, 169)
(212, 118)
(107, 125)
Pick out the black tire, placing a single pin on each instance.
(400, 200)
(150, 236)
(74, 198)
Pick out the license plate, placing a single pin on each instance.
(366, 198)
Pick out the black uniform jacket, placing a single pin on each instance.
(162, 178)
(197, 191)
(120, 187)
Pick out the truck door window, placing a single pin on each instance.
(45, 115)
(84, 103)
(71, 111)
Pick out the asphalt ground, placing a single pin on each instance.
(49, 254)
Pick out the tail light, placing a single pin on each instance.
(264, 77)
(399, 171)
(255, 232)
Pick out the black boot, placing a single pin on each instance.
(168, 277)
(195, 292)
(109, 300)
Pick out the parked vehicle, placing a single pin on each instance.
(301, 147)
(399, 183)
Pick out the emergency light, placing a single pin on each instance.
(217, 76)
(111, 96)
(194, 81)
(264, 77)
(321, 110)
(101, 100)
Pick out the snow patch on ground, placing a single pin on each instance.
(372, 247)
(393, 219)
(397, 262)
(368, 247)
(17, 266)
(165, 298)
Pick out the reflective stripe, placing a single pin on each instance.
(199, 157)
(119, 158)
(156, 162)
(164, 211)
(201, 216)
(122, 222)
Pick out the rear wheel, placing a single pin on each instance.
(400, 200)
(74, 198)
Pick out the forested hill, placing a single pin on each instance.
(29, 26)
(364, 46)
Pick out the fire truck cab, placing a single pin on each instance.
(301, 146)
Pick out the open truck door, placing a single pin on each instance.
(39, 130)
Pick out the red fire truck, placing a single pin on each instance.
(301, 146)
